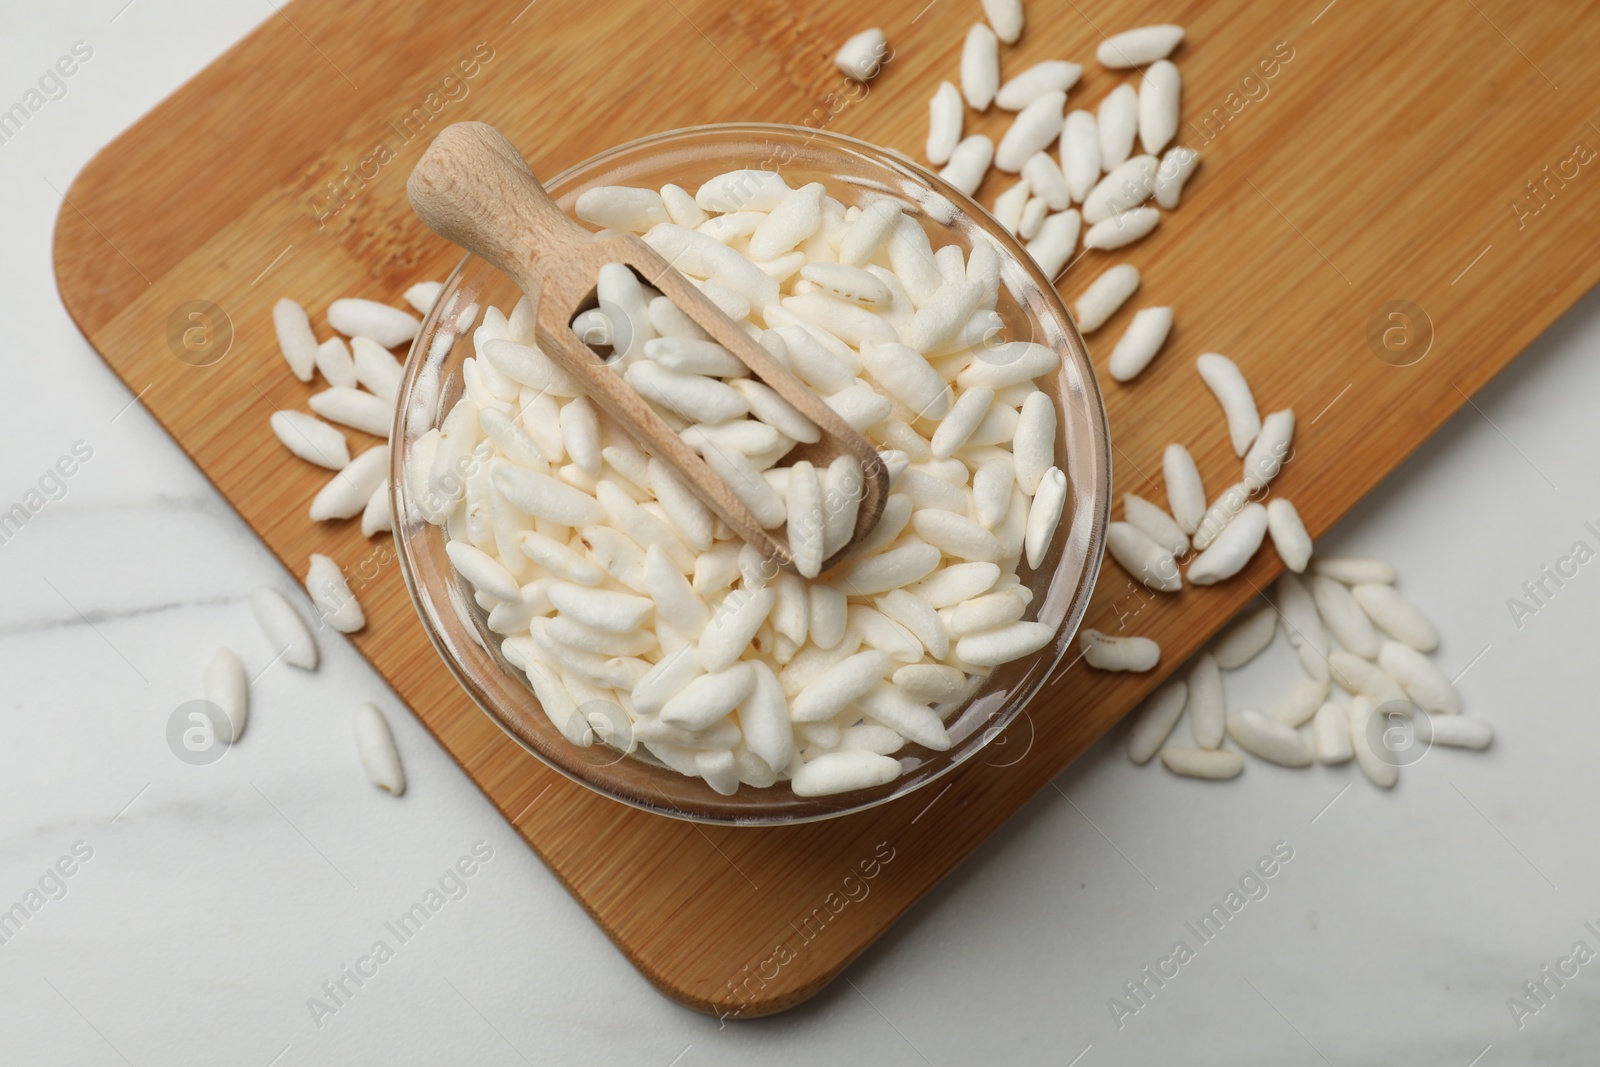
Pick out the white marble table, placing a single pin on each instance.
(215, 902)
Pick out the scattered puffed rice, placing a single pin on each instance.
(1122, 229)
(386, 325)
(348, 491)
(1139, 47)
(1246, 638)
(1118, 124)
(1159, 94)
(1055, 243)
(945, 116)
(1104, 296)
(285, 630)
(1269, 738)
(1140, 342)
(1289, 536)
(1039, 79)
(1185, 492)
(1459, 731)
(1380, 772)
(1043, 177)
(1006, 18)
(355, 409)
(1396, 616)
(1215, 764)
(1107, 652)
(862, 55)
(1223, 377)
(375, 745)
(1155, 721)
(1301, 702)
(1173, 173)
(1155, 523)
(1420, 678)
(1142, 557)
(1346, 621)
(227, 687)
(1297, 614)
(1080, 153)
(295, 339)
(1331, 733)
(1353, 570)
(1207, 705)
(1124, 188)
(969, 163)
(423, 296)
(1035, 128)
(980, 67)
(311, 439)
(332, 596)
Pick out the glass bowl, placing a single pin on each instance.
(856, 173)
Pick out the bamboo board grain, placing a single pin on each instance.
(1355, 154)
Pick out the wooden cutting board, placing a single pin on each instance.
(1361, 161)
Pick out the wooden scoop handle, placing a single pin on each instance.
(473, 188)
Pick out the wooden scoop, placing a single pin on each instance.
(473, 187)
